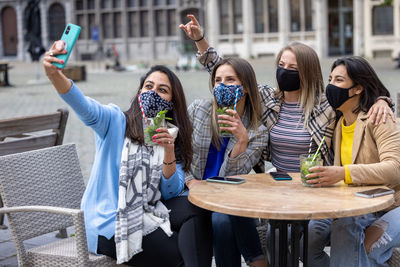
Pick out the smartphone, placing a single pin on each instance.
(70, 35)
(377, 192)
(280, 176)
(228, 180)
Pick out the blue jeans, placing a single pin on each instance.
(347, 240)
(235, 236)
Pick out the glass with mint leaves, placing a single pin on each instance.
(306, 162)
(150, 125)
(310, 160)
(222, 111)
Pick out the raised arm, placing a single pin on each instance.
(194, 32)
(55, 75)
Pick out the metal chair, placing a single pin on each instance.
(42, 191)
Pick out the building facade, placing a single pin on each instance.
(147, 30)
(332, 27)
(53, 17)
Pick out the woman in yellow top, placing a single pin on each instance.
(365, 153)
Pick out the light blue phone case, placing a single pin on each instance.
(70, 35)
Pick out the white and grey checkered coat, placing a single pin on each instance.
(200, 112)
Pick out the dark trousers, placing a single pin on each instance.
(190, 245)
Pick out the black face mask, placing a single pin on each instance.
(336, 96)
(288, 80)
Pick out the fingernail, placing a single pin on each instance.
(157, 130)
(65, 50)
(154, 136)
(62, 61)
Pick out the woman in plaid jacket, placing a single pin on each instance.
(232, 80)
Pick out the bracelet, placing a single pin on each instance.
(169, 163)
(202, 37)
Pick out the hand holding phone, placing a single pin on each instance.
(280, 176)
(70, 35)
(377, 192)
(228, 180)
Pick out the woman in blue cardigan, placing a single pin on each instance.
(131, 204)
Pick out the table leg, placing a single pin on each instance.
(297, 227)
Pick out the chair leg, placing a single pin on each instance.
(62, 233)
(2, 225)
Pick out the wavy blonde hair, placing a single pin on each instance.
(311, 81)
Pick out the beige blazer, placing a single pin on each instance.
(375, 155)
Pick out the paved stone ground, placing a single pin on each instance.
(111, 87)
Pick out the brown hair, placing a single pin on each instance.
(311, 81)
(247, 77)
(179, 115)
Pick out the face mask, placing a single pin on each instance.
(288, 80)
(153, 103)
(226, 94)
(336, 96)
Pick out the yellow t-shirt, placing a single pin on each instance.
(346, 148)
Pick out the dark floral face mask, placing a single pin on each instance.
(153, 103)
(226, 94)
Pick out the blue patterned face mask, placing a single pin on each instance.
(225, 94)
(153, 103)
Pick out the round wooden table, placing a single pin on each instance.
(285, 203)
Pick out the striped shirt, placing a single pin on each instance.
(289, 139)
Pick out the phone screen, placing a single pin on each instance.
(280, 176)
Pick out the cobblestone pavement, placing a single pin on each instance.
(118, 87)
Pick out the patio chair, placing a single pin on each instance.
(42, 191)
(29, 133)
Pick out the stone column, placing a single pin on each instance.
(19, 8)
(248, 27)
(284, 21)
(396, 18)
(44, 23)
(212, 22)
(321, 27)
(358, 30)
(367, 29)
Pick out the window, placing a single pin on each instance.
(56, 21)
(382, 20)
(237, 16)
(158, 2)
(116, 3)
(273, 15)
(117, 25)
(295, 15)
(106, 4)
(143, 2)
(133, 3)
(224, 16)
(160, 22)
(80, 19)
(171, 22)
(91, 24)
(79, 4)
(106, 22)
(259, 16)
(308, 15)
(144, 23)
(91, 4)
(134, 23)
(170, 2)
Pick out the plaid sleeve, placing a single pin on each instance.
(209, 58)
(243, 163)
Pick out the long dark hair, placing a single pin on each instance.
(247, 77)
(179, 115)
(362, 73)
